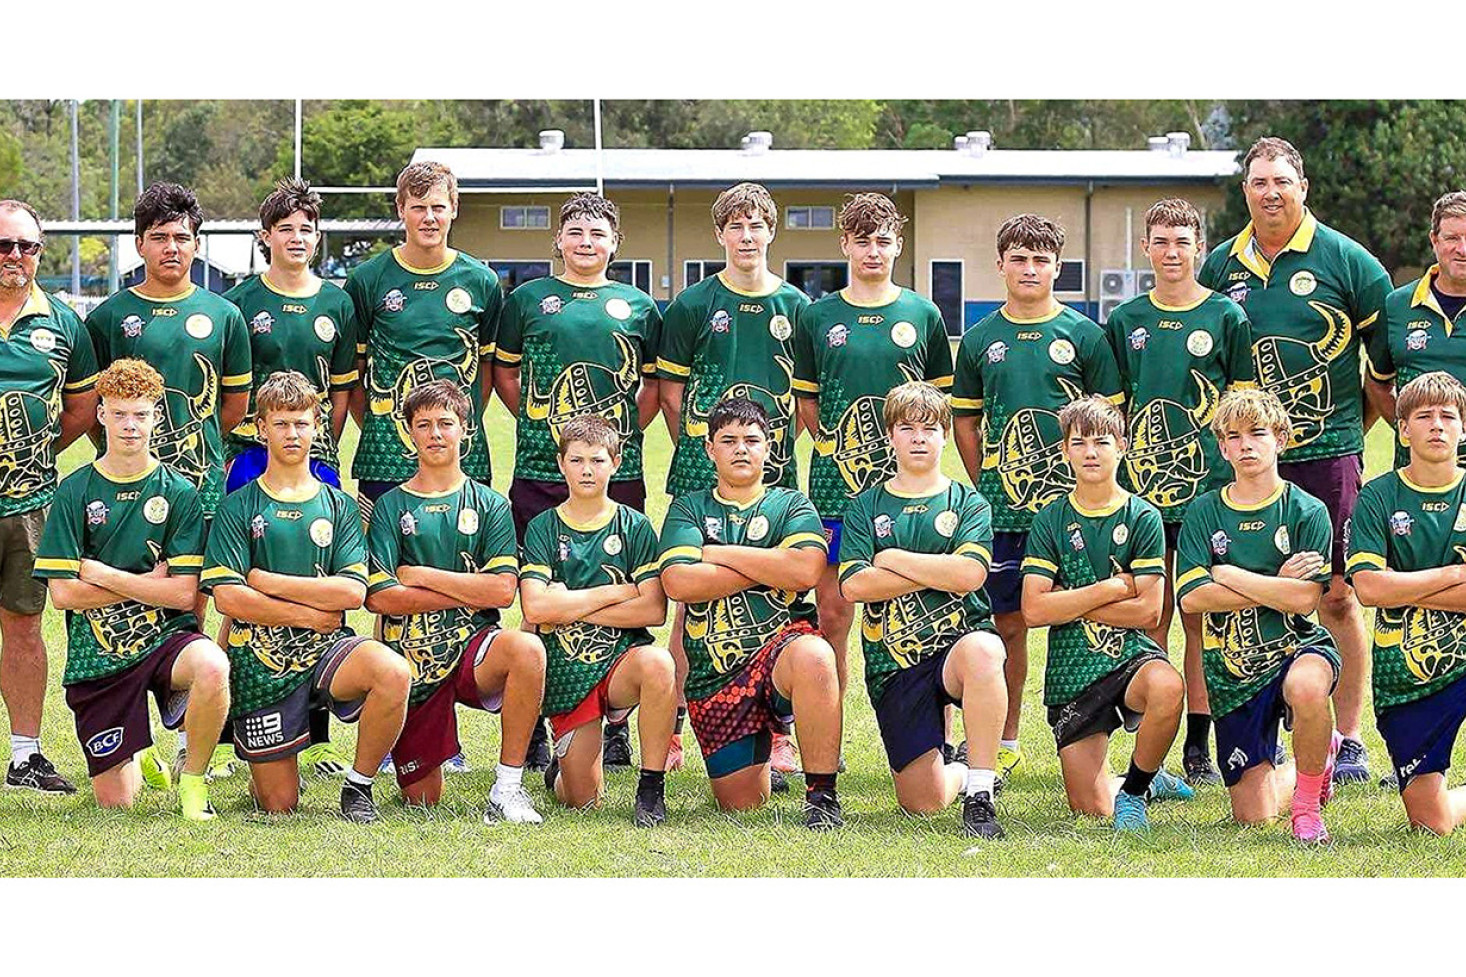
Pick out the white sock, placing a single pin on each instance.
(508, 777)
(182, 742)
(21, 747)
(980, 781)
(1009, 745)
(360, 779)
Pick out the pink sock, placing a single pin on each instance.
(1308, 791)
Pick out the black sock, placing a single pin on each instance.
(681, 718)
(651, 780)
(617, 723)
(1137, 781)
(1198, 731)
(815, 782)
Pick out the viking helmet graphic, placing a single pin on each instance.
(1298, 372)
(1166, 461)
(586, 388)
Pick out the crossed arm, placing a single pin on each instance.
(1234, 589)
(422, 589)
(101, 585)
(1439, 588)
(1123, 601)
(625, 605)
(727, 569)
(896, 572)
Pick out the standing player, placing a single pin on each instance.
(1015, 370)
(1093, 574)
(122, 552)
(730, 335)
(443, 564)
(285, 560)
(589, 585)
(1253, 556)
(741, 556)
(47, 369)
(915, 553)
(1310, 293)
(1407, 557)
(1179, 348)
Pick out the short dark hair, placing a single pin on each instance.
(436, 393)
(289, 195)
(164, 203)
(1273, 147)
(737, 410)
(1031, 232)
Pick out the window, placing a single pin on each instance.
(524, 218)
(817, 278)
(636, 273)
(512, 274)
(695, 271)
(1071, 277)
(809, 218)
(947, 294)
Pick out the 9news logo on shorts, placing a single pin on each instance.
(263, 731)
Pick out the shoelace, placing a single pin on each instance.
(41, 765)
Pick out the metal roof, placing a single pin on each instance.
(124, 226)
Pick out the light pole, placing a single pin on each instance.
(75, 202)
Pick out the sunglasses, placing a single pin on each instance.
(28, 248)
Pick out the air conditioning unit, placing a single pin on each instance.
(1117, 283)
(1107, 307)
(1144, 282)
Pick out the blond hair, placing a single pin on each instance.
(286, 390)
(1091, 417)
(129, 379)
(750, 199)
(1252, 407)
(422, 178)
(1434, 389)
(591, 429)
(917, 402)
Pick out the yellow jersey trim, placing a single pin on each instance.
(967, 403)
(670, 367)
(677, 552)
(1040, 564)
(397, 256)
(309, 294)
(1273, 496)
(789, 542)
(186, 561)
(1430, 490)
(44, 563)
(537, 568)
(722, 277)
(79, 386)
(1021, 321)
(946, 484)
(436, 495)
(804, 386)
(1177, 308)
(503, 563)
(762, 491)
(1195, 573)
(600, 522)
(1149, 563)
(1366, 559)
(138, 291)
(215, 573)
(1096, 513)
(237, 380)
(126, 479)
(845, 297)
(507, 358)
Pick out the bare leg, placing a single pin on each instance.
(581, 781)
(1430, 806)
(1015, 643)
(647, 676)
(22, 671)
(1155, 692)
(836, 616)
(1306, 690)
(1340, 613)
(974, 673)
(679, 653)
(805, 674)
(118, 786)
(276, 785)
(926, 785)
(514, 665)
(374, 672)
(743, 790)
(203, 670)
(425, 792)
(1263, 793)
(1087, 783)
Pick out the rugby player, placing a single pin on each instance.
(1310, 293)
(1254, 557)
(443, 563)
(1093, 575)
(1407, 558)
(731, 334)
(285, 561)
(570, 345)
(1179, 347)
(590, 587)
(741, 556)
(1015, 370)
(915, 553)
(121, 554)
(47, 372)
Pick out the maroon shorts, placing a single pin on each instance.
(597, 703)
(528, 498)
(112, 711)
(282, 729)
(430, 733)
(1336, 483)
(748, 705)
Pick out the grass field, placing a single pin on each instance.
(72, 837)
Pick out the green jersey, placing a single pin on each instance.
(903, 631)
(722, 635)
(1017, 374)
(581, 350)
(1400, 526)
(199, 344)
(1308, 307)
(724, 343)
(620, 549)
(416, 325)
(467, 530)
(313, 333)
(1175, 364)
(45, 354)
(1075, 547)
(320, 537)
(1415, 337)
(849, 357)
(130, 524)
(1241, 651)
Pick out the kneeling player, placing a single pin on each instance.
(915, 552)
(1254, 557)
(285, 560)
(443, 564)
(741, 556)
(1094, 574)
(1407, 557)
(589, 583)
(122, 551)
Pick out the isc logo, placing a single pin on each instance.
(755, 308)
(106, 742)
(292, 307)
(870, 320)
(1170, 324)
(1030, 335)
(1251, 527)
(424, 286)
(164, 312)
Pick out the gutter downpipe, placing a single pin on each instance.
(1088, 236)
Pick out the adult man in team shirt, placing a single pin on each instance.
(47, 369)
(590, 587)
(731, 334)
(1310, 292)
(443, 563)
(121, 553)
(1015, 370)
(1407, 559)
(1093, 574)
(740, 556)
(915, 553)
(1179, 348)
(1253, 556)
(286, 559)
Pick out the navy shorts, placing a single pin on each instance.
(1421, 734)
(1248, 735)
(833, 531)
(249, 465)
(282, 729)
(909, 713)
(1101, 707)
(1005, 576)
(1336, 483)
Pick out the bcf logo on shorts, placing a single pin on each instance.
(106, 742)
(264, 730)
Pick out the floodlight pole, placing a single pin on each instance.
(114, 138)
(600, 178)
(297, 139)
(140, 186)
(75, 201)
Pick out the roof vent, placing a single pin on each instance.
(978, 142)
(1158, 144)
(758, 143)
(552, 140)
(1178, 143)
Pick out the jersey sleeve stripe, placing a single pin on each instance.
(59, 566)
(1193, 575)
(380, 577)
(1375, 373)
(975, 549)
(649, 369)
(355, 570)
(499, 563)
(187, 561)
(1117, 399)
(967, 403)
(804, 386)
(76, 386)
(676, 369)
(1150, 563)
(221, 573)
(508, 358)
(237, 380)
(535, 570)
(851, 567)
(1355, 562)
(487, 351)
(803, 539)
(941, 383)
(1361, 326)
(1242, 385)
(344, 379)
(644, 571)
(1035, 563)
(689, 553)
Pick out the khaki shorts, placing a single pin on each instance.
(20, 537)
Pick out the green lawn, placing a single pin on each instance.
(47, 836)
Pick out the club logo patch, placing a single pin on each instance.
(322, 532)
(257, 527)
(408, 524)
(1061, 351)
(1401, 523)
(551, 305)
(458, 301)
(155, 510)
(1199, 343)
(325, 328)
(946, 523)
(132, 326)
(780, 328)
(468, 521)
(44, 340)
(107, 742)
(96, 513)
(618, 309)
(1460, 525)
(998, 352)
(1238, 292)
(564, 548)
(837, 335)
(1282, 542)
(712, 528)
(1139, 338)
(612, 545)
(721, 321)
(1302, 283)
(883, 526)
(1121, 533)
(1416, 339)
(1237, 760)
(261, 324)
(1076, 539)
(1220, 542)
(394, 301)
(199, 326)
(903, 334)
(758, 527)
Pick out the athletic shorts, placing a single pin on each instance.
(430, 733)
(910, 711)
(1248, 735)
(1335, 482)
(1421, 734)
(112, 711)
(529, 497)
(249, 465)
(1173, 535)
(282, 729)
(1005, 576)
(595, 705)
(20, 535)
(834, 528)
(1101, 707)
(735, 725)
(367, 494)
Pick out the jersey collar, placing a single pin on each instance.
(138, 291)
(1018, 321)
(309, 293)
(723, 280)
(594, 525)
(1277, 493)
(1436, 490)
(126, 479)
(36, 303)
(1244, 249)
(1099, 513)
(1424, 296)
(451, 257)
(762, 490)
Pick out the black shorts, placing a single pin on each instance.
(1173, 535)
(282, 729)
(910, 711)
(529, 497)
(112, 711)
(1101, 707)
